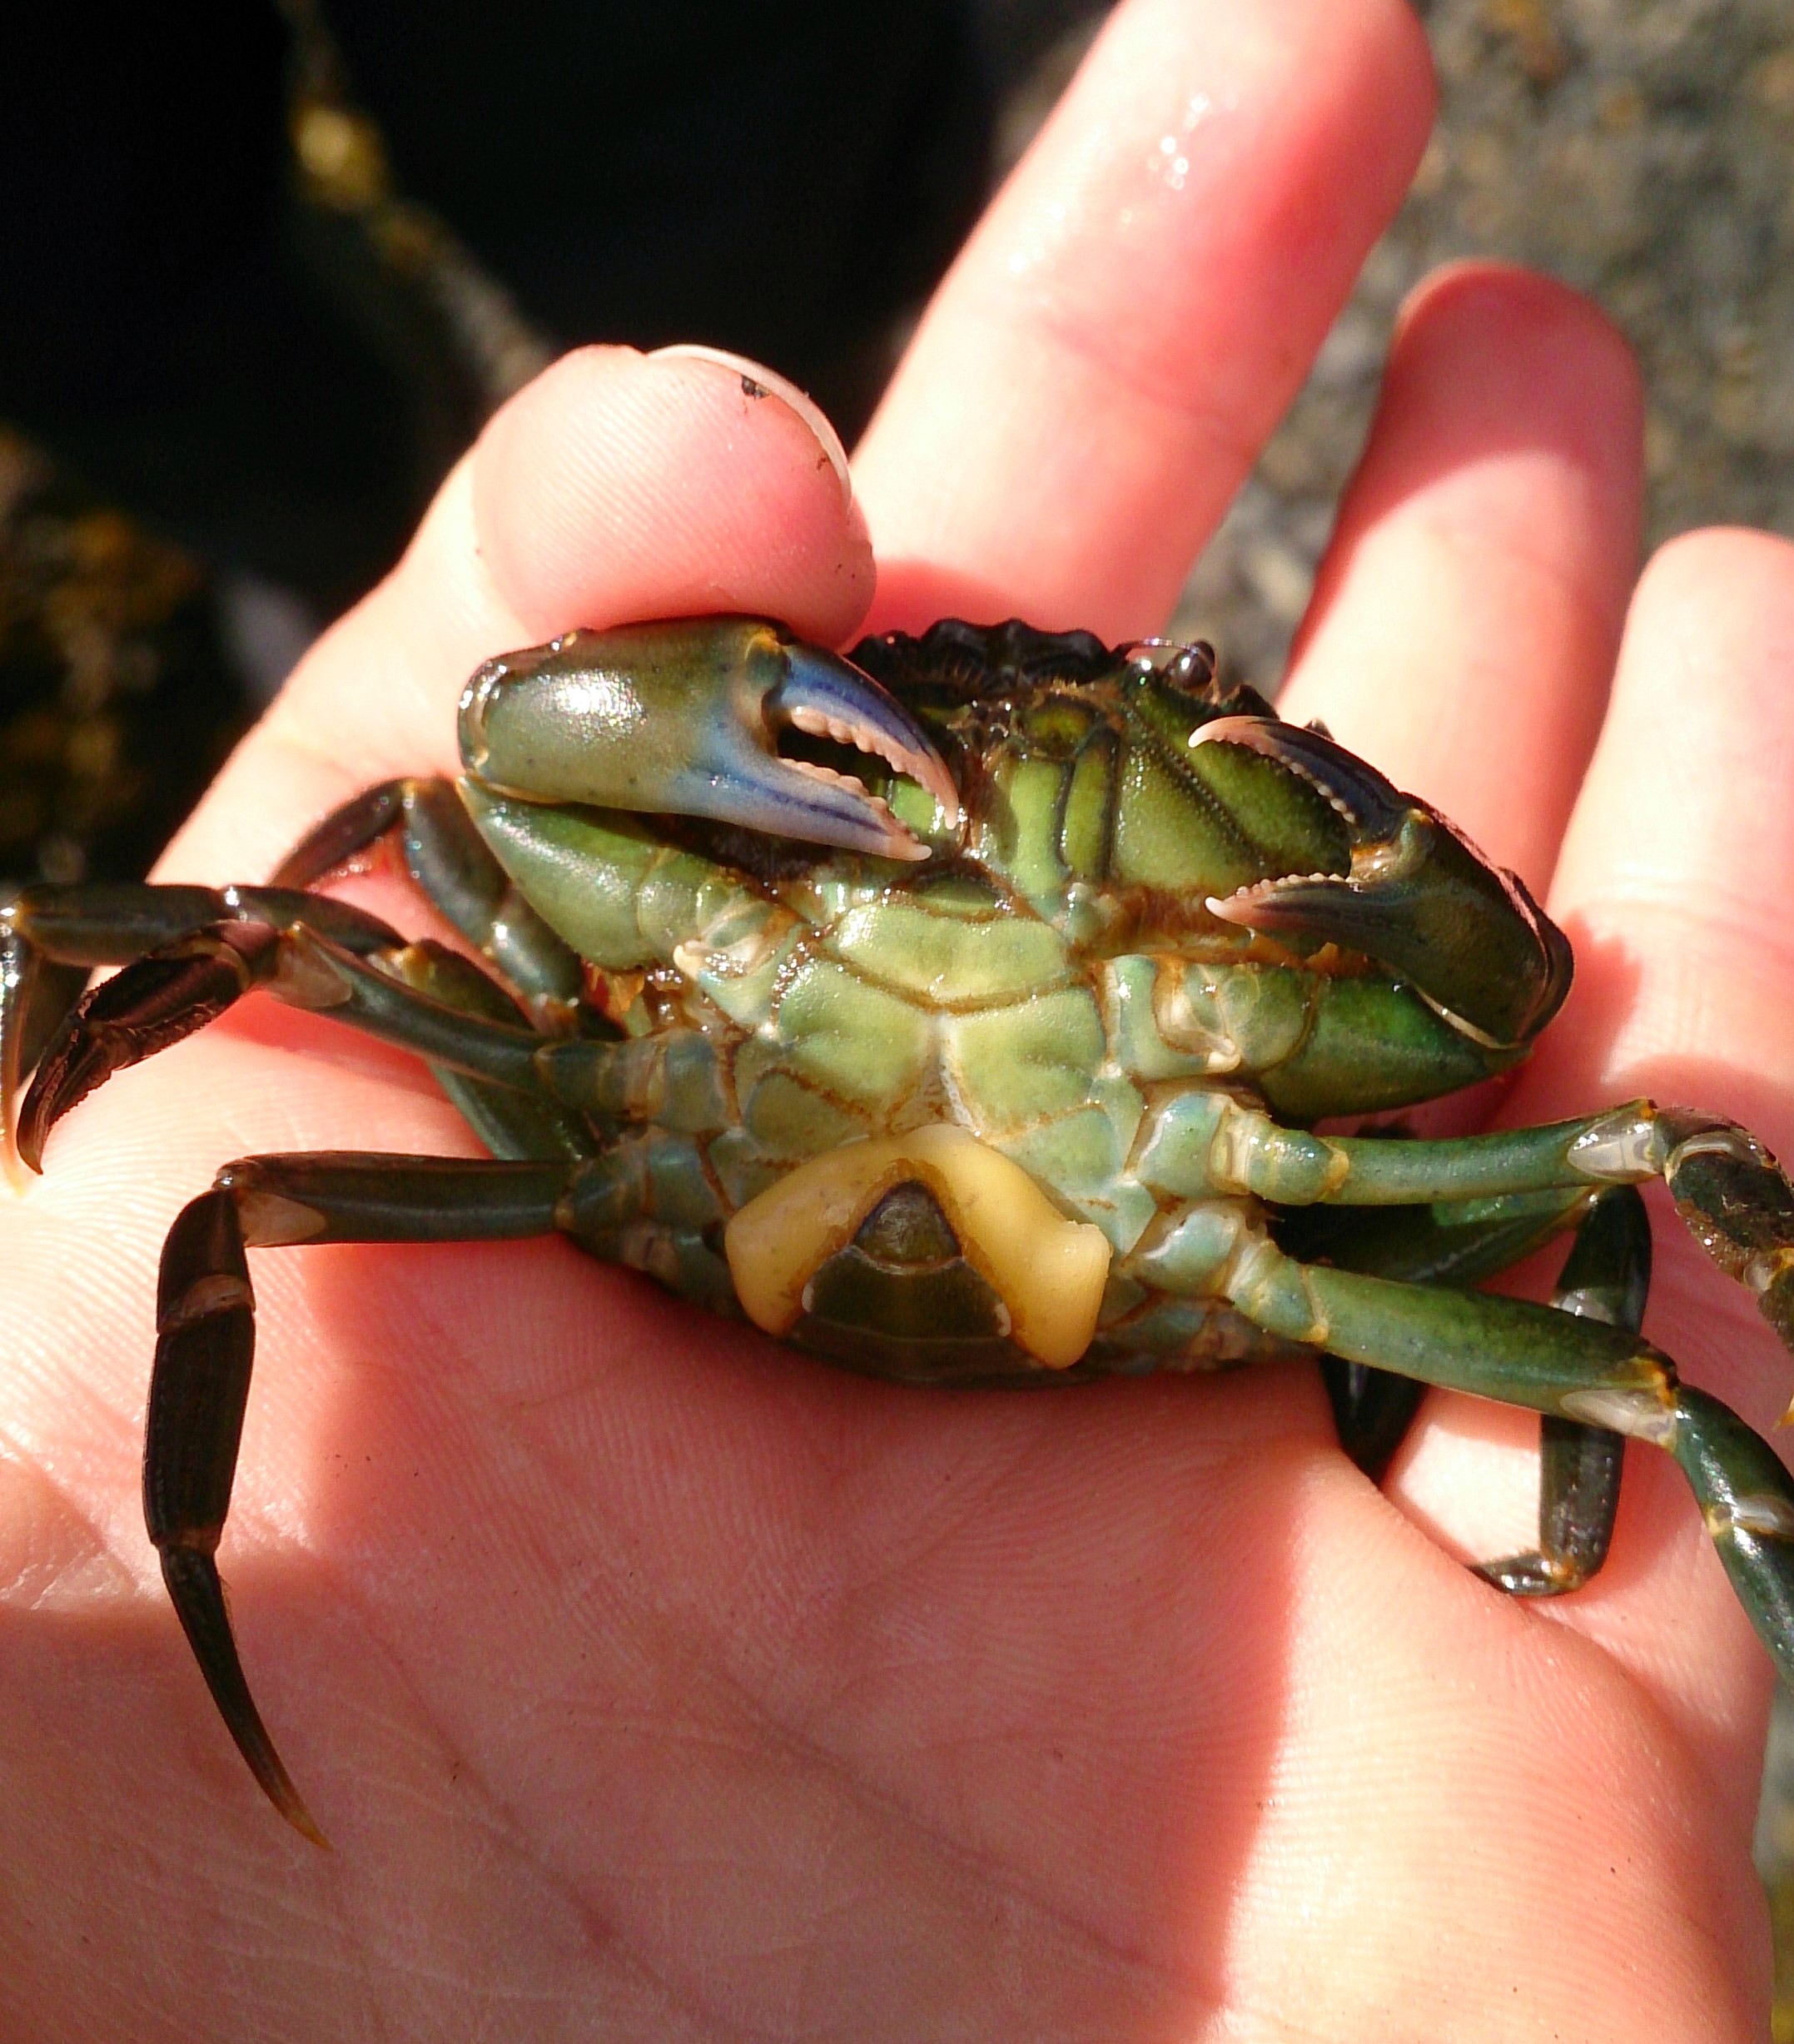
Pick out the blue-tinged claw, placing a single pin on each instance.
(1420, 898)
(684, 716)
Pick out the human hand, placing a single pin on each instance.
(650, 1679)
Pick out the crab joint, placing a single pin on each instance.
(1049, 1273)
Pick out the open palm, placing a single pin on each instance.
(652, 1681)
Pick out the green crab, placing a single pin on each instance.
(963, 1011)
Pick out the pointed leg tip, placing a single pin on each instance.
(291, 1806)
(244, 1722)
(191, 1577)
(276, 1785)
(46, 1102)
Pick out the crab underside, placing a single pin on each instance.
(960, 1011)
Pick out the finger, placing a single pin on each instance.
(1683, 844)
(615, 487)
(1095, 378)
(1462, 634)
(1467, 612)
(686, 485)
(1678, 860)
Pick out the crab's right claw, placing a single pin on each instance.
(684, 716)
(1419, 898)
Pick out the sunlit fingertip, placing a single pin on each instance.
(758, 380)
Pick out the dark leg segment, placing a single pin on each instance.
(1606, 1276)
(1372, 1411)
(144, 1009)
(449, 862)
(1579, 1470)
(103, 924)
(205, 1346)
(205, 1339)
(36, 996)
(1570, 1365)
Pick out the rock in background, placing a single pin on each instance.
(1643, 152)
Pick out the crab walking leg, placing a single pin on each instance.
(177, 989)
(1735, 1198)
(1561, 1364)
(1451, 1242)
(47, 930)
(36, 996)
(205, 1349)
(390, 989)
(509, 1122)
(449, 861)
(641, 1203)
(1607, 1277)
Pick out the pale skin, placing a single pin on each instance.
(650, 1681)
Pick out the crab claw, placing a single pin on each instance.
(1419, 898)
(684, 716)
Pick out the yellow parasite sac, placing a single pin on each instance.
(1048, 1271)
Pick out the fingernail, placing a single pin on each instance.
(758, 380)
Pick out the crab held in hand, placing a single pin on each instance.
(959, 1012)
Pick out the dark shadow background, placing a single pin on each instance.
(267, 265)
(784, 179)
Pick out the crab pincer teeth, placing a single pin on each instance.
(684, 717)
(1421, 899)
(1373, 804)
(919, 763)
(824, 697)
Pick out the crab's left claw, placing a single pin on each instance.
(685, 716)
(1419, 898)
